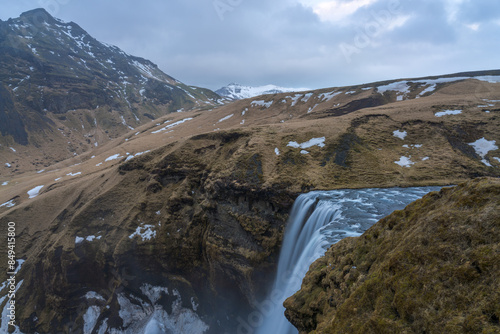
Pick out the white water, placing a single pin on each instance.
(318, 220)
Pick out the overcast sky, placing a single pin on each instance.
(292, 43)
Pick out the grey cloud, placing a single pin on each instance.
(473, 11)
(282, 42)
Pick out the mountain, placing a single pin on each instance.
(63, 92)
(236, 91)
(430, 268)
(179, 222)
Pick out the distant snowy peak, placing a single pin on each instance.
(237, 92)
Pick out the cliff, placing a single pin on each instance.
(430, 268)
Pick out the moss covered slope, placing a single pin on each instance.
(433, 267)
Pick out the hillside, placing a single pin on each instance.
(62, 92)
(185, 215)
(430, 268)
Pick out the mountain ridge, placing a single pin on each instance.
(60, 83)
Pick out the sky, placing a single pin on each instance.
(291, 43)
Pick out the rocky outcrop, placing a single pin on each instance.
(165, 221)
(430, 268)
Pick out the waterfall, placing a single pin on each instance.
(317, 220)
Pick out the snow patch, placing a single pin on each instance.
(307, 97)
(277, 151)
(320, 142)
(74, 174)
(413, 146)
(489, 78)
(400, 134)
(226, 118)
(150, 318)
(482, 147)
(90, 319)
(146, 232)
(312, 108)
(130, 157)
(429, 89)
(400, 87)
(94, 295)
(113, 157)
(194, 304)
(261, 103)
(8, 204)
(328, 96)
(172, 125)
(153, 292)
(295, 99)
(404, 162)
(448, 112)
(34, 192)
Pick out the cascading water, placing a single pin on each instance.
(319, 219)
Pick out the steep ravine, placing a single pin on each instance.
(161, 221)
(430, 268)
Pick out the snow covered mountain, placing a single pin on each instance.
(237, 92)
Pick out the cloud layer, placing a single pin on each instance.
(311, 43)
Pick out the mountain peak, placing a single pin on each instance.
(37, 12)
(237, 91)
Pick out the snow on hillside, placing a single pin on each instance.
(401, 87)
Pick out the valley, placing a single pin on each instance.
(176, 218)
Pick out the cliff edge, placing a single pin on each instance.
(433, 267)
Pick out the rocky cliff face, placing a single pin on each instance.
(58, 84)
(167, 222)
(430, 268)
